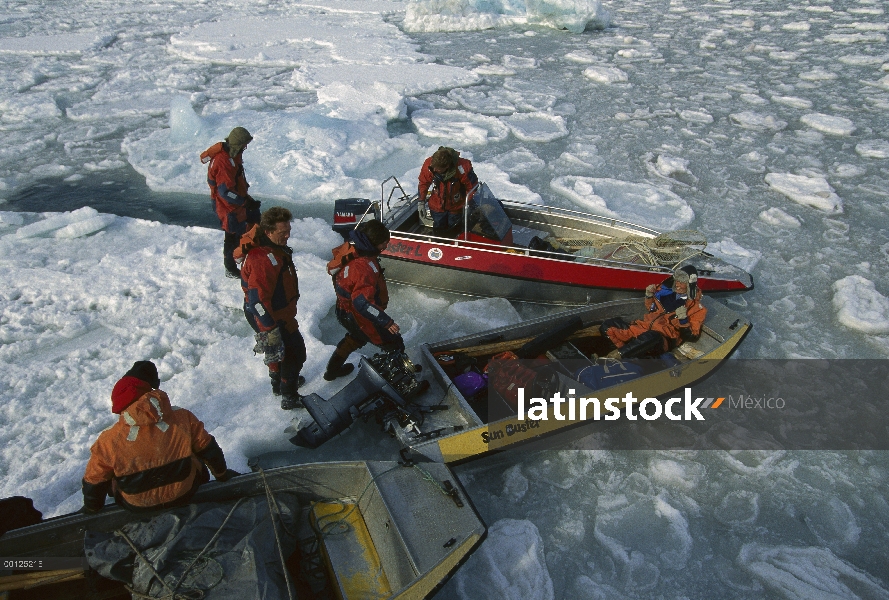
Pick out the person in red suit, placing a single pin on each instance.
(450, 179)
(361, 297)
(236, 209)
(271, 289)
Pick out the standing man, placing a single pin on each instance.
(361, 297)
(154, 456)
(451, 179)
(236, 209)
(271, 289)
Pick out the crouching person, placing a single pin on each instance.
(361, 297)
(156, 456)
(675, 315)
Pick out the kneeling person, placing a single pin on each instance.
(155, 456)
(361, 297)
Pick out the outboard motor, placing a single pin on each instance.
(384, 381)
(347, 212)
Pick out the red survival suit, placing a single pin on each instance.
(661, 317)
(447, 195)
(153, 456)
(361, 294)
(269, 281)
(228, 189)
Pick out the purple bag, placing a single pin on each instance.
(470, 383)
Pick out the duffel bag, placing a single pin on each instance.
(607, 372)
(506, 374)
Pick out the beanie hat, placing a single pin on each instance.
(237, 139)
(140, 379)
(146, 371)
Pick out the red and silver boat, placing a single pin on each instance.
(531, 252)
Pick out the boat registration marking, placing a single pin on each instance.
(463, 258)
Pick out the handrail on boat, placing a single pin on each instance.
(405, 198)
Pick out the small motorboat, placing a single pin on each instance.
(531, 252)
(349, 530)
(444, 413)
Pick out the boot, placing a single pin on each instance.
(290, 397)
(275, 376)
(336, 367)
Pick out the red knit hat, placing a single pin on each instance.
(141, 378)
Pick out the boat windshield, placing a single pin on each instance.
(486, 215)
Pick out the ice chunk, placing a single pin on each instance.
(57, 221)
(185, 124)
(828, 124)
(573, 15)
(536, 127)
(873, 149)
(509, 565)
(808, 191)
(473, 316)
(459, 127)
(601, 74)
(520, 160)
(643, 529)
(777, 217)
(640, 203)
(733, 253)
(807, 572)
(85, 227)
(793, 101)
(860, 306)
(757, 122)
(696, 116)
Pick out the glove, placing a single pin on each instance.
(85, 510)
(229, 473)
(650, 290)
(271, 344)
(681, 313)
(252, 204)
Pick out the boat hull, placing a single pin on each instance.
(417, 549)
(483, 268)
(476, 435)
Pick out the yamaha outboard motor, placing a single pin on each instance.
(383, 379)
(347, 212)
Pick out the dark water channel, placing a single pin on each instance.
(124, 193)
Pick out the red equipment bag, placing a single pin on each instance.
(506, 374)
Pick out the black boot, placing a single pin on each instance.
(275, 376)
(290, 397)
(336, 367)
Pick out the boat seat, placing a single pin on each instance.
(353, 564)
